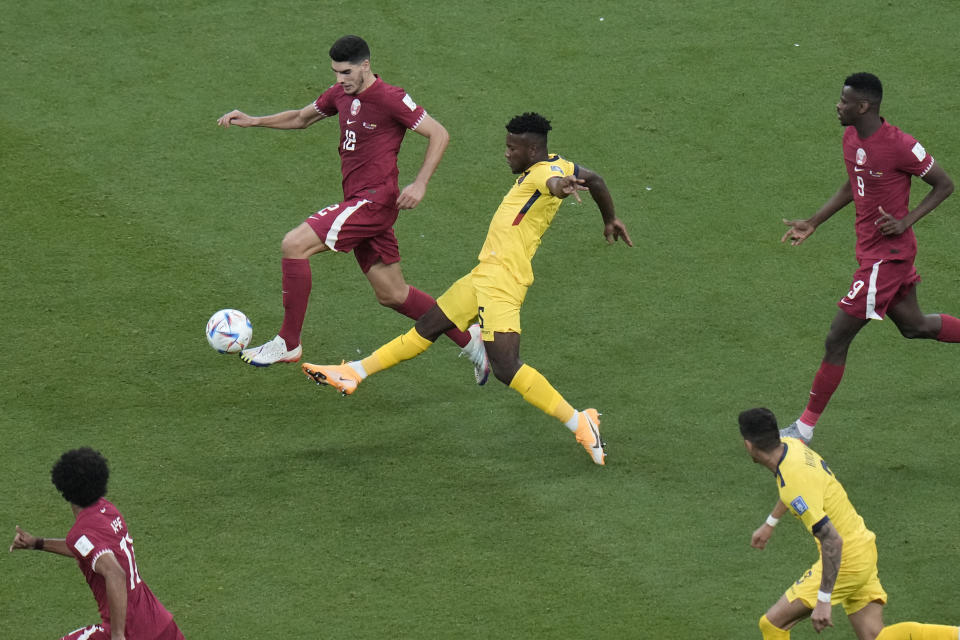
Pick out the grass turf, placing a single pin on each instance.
(423, 506)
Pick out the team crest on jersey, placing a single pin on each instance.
(355, 107)
(861, 156)
(799, 505)
(919, 151)
(83, 545)
(554, 167)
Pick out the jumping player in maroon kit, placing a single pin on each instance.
(100, 542)
(374, 116)
(880, 160)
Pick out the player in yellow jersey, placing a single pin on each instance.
(846, 572)
(495, 289)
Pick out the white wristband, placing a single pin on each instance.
(823, 596)
(772, 521)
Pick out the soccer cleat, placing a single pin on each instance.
(477, 352)
(588, 435)
(339, 376)
(793, 431)
(271, 353)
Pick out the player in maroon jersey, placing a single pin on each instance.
(881, 161)
(374, 116)
(100, 542)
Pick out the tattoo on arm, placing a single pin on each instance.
(831, 553)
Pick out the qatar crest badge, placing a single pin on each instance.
(355, 107)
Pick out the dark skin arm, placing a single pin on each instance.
(613, 228)
(942, 187)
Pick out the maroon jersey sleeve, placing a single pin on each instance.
(912, 158)
(325, 104)
(402, 108)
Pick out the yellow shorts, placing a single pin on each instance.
(489, 293)
(857, 583)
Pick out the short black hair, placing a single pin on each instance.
(352, 49)
(759, 428)
(867, 85)
(529, 123)
(81, 475)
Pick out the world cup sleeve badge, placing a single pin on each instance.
(799, 505)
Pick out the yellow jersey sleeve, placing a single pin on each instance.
(802, 483)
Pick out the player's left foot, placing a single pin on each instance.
(793, 431)
(477, 352)
(341, 377)
(588, 435)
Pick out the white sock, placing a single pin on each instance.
(573, 422)
(356, 366)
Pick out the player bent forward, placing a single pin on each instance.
(495, 289)
(846, 572)
(100, 542)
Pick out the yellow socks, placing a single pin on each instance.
(536, 390)
(917, 631)
(409, 345)
(771, 632)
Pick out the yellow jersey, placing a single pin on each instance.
(814, 495)
(523, 217)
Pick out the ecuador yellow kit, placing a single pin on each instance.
(522, 218)
(814, 495)
(495, 289)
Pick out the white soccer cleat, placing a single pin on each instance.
(793, 431)
(477, 352)
(271, 353)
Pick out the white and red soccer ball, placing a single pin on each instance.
(229, 331)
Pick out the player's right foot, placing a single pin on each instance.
(476, 350)
(588, 435)
(341, 377)
(793, 431)
(270, 353)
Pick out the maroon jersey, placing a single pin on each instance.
(100, 529)
(372, 126)
(880, 169)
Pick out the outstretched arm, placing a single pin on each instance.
(941, 188)
(292, 119)
(438, 138)
(587, 180)
(23, 540)
(800, 230)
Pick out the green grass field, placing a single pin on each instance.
(423, 506)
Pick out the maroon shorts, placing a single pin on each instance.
(361, 226)
(877, 286)
(96, 632)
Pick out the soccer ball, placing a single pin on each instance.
(229, 331)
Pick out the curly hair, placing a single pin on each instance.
(352, 49)
(867, 85)
(759, 427)
(529, 123)
(81, 475)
